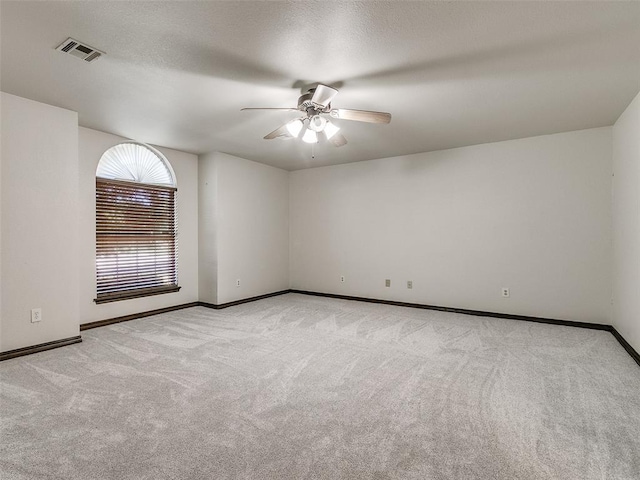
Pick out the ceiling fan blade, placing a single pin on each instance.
(278, 132)
(338, 140)
(323, 95)
(270, 108)
(361, 115)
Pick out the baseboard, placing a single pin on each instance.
(134, 316)
(219, 306)
(19, 352)
(553, 321)
(630, 350)
(478, 313)
(101, 323)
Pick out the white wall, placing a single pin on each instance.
(626, 224)
(39, 203)
(250, 218)
(1, 203)
(92, 144)
(531, 214)
(207, 228)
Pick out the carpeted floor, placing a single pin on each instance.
(300, 387)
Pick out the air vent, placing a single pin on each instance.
(77, 49)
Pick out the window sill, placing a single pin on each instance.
(131, 294)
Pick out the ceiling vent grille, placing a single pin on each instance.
(80, 50)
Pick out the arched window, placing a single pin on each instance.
(136, 252)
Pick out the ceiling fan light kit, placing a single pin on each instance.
(316, 103)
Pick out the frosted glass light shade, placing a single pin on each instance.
(330, 130)
(294, 127)
(310, 136)
(317, 123)
(135, 162)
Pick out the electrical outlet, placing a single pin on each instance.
(237, 282)
(36, 315)
(409, 284)
(342, 278)
(387, 283)
(505, 292)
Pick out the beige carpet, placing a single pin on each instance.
(300, 387)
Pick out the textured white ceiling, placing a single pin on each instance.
(451, 73)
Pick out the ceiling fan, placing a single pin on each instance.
(316, 106)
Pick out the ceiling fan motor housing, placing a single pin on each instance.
(306, 105)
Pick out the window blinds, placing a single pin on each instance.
(135, 240)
